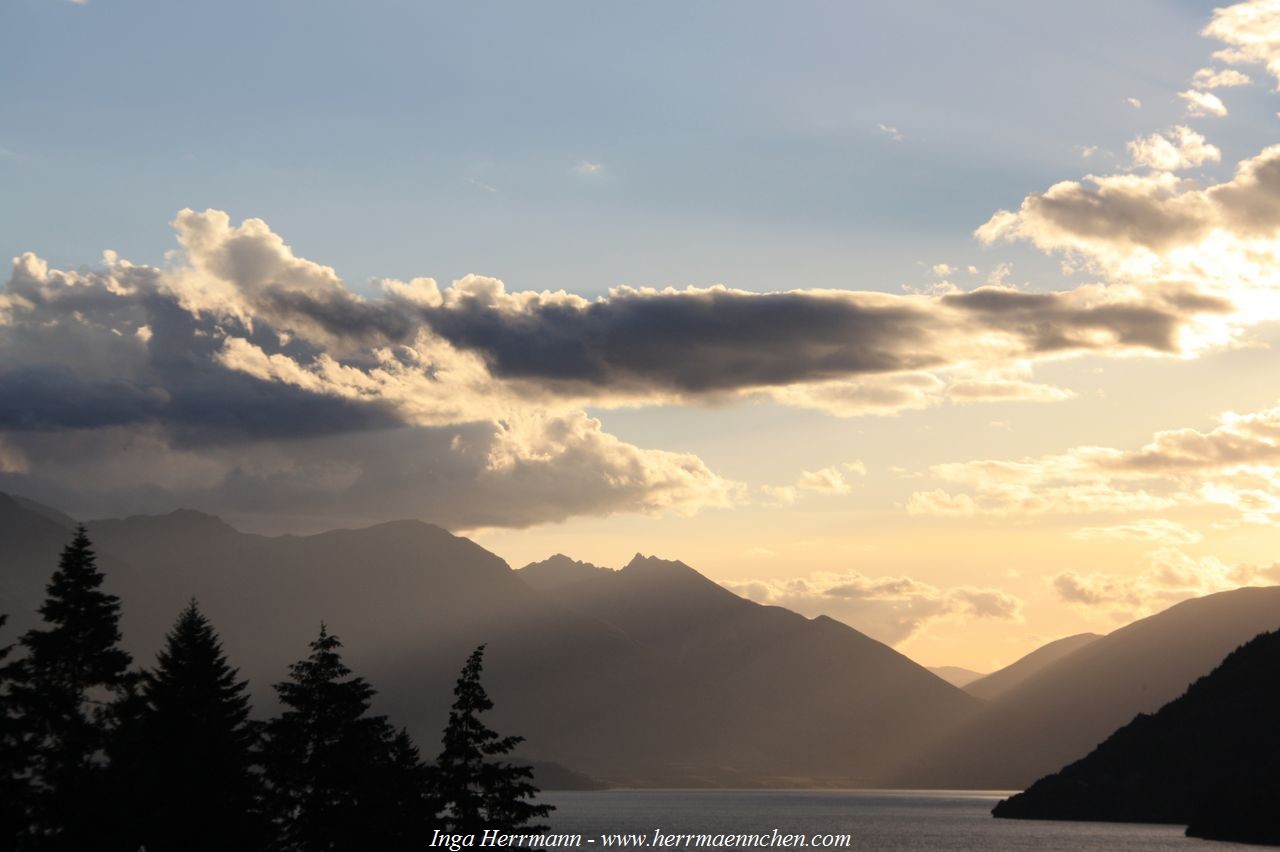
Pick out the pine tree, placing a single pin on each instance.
(185, 759)
(407, 796)
(475, 791)
(65, 690)
(334, 769)
(13, 763)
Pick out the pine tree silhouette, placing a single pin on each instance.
(407, 796)
(65, 690)
(475, 791)
(183, 763)
(333, 769)
(13, 763)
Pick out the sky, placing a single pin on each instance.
(952, 321)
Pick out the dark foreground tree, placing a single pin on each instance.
(335, 772)
(183, 764)
(476, 790)
(13, 764)
(64, 690)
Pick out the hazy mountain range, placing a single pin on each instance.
(1061, 711)
(647, 675)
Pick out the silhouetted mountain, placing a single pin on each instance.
(999, 682)
(956, 676)
(648, 675)
(558, 571)
(1071, 705)
(752, 694)
(31, 537)
(1210, 758)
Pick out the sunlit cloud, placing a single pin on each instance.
(1156, 530)
(1212, 78)
(890, 609)
(1201, 103)
(1170, 576)
(1179, 148)
(1234, 466)
(1252, 32)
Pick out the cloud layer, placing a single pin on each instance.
(890, 609)
(232, 364)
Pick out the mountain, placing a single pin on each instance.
(956, 676)
(29, 533)
(558, 571)
(751, 692)
(650, 675)
(1210, 758)
(1071, 705)
(999, 682)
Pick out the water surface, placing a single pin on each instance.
(876, 820)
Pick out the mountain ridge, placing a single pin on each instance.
(668, 679)
(1209, 758)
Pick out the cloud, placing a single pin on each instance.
(890, 609)
(830, 480)
(1181, 148)
(476, 475)
(1148, 529)
(1211, 78)
(704, 342)
(1218, 243)
(972, 390)
(892, 132)
(1252, 32)
(240, 349)
(245, 378)
(1170, 576)
(1133, 102)
(433, 355)
(484, 187)
(1234, 466)
(1203, 103)
(589, 169)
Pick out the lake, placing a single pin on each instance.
(879, 820)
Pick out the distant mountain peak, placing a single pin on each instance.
(646, 564)
(190, 519)
(558, 571)
(13, 503)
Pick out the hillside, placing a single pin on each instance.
(652, 675)
(957, 675)
(992, 686)
(1210, 758)
(1071, 705)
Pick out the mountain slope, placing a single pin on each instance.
(1061, 713)
(1210, 758)
(999, 682)
(751, 690)
(650, 675)
(957, 676)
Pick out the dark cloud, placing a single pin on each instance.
(246, 376)
(445, 475)
(1051, 322)
(47, 398)
(691, 342)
